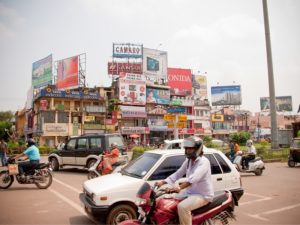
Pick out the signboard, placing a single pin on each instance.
(89, 118)
(200, 85)
(42, 72)
(95, 109)
(217, 117)
(43, 104)
(169, 117)
(157, 111)
(67, 73)
(127, 50)
(132, 89)
(117, 67)
(135, 130)
(133, 112)
(187, 131)
(59, 129)
(182, 118)
(157, 125)
(181, 124)
(283, 103)
(155, 65)
(176, 110)
(226, 95)
(48, 92)
(180, 81)
(158, 96)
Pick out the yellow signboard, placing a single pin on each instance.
(89, 118)
(181, 125)
(182, 118)
(170, 125)
(169, 117)
(217, 117)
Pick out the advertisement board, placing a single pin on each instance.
(200, 85)
(133, 112)
(217, 117)
(117, 67)
(180, 81)
(158, 125)
(283, 103)
(155, 65)
(67, 73)
(42, 72)
(158, 96)
(48, 92)
(127, 50)
(132, 89)
(226, 95)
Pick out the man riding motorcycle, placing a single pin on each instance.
(251, 152)
(197, 190)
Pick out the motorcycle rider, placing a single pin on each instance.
(251, 152)
(197, 190)
(33, 153)
(110, 159)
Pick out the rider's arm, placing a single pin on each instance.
(19, 155)
(178, 174)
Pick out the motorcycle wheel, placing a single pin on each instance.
(47, 179)
(258, 172)
(121, 213)
(6, 180)
(291, 163)
(92, 175)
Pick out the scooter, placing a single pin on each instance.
(96, 169)
(256, 165)
(163, 210)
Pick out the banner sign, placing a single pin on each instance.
(42, 72)
(43, 104)
(176, 110)
(95, 109)
(67, 73)
(127, 51)
(180, 81)
(48, 92)
(200, 85)
(186, 131)
(117, 67)
(132, 89)
(133, 112)
(155, 65)
(182, 101)
(169, 117)
(89, 118)
(157, 111)
(57, 128)
(283, 103)
(158, 125)
(217, 118)
(158, 96)
(135, 130)
(226, 95)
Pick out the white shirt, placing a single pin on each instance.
(251, 150)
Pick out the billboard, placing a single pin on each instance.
(155, 65)
(42, 72)
(117, 67)
(283, 103)
(127, 50)
(180, 81)
(67, 73)
(200, 85)
(226, 95)
(158, 96)
(132, 89)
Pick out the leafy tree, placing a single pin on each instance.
(4, 127)
(240, 137)
(113, 105)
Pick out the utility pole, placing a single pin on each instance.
(274, 132)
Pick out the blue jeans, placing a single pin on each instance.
(3, 158)
(27, 165)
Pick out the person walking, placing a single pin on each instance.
(3, 152)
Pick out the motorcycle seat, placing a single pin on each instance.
(42, 165)
(256, 159)
(218, 199)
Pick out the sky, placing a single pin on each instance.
(224, 39)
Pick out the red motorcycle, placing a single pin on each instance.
(164, 210)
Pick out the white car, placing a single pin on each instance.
(173, 144)
(113, 196)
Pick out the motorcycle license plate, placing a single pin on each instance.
(13, 169)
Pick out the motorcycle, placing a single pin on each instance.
(96, 169)
(163, 210)
(256, 165)
(41, 175)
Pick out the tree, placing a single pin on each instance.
(4, 128)
(240, 137)
(6, 116)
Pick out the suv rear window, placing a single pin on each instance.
(95, 142)
(115, 139)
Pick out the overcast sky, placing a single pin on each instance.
(224, 38)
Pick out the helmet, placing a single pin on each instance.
(249, 143)
(193, 142)
(30, 142)
(113, 145)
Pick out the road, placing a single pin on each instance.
(273, 198)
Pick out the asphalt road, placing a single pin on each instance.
(273, 198)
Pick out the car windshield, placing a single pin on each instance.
(296, 143)
(140, 167)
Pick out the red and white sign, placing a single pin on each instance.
(157, 111)
(180, 81)
(43, 104)
(135, 130)
(116, 68)
(133, 112)
(186, 131)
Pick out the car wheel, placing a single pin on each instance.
(54, 164)
(90, 163)
(258, 172)
(291, 163)
(121, 213)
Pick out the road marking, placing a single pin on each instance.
(262, 198)
(68, 186)
(258, 216)
(255, 195)
(71, 203)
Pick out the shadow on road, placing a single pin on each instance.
(83, 220)
(72, 170)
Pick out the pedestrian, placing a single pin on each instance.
(3, 152)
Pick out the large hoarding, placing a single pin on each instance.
(155, 65)
(180, 81)
(226, 95)
(116, 68)
(126, 50)
(200, 86)
(283, 103)
(132, 89)
(158, 96)
(42, 72)
(67, 73)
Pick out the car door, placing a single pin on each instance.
(219, 182)
(67, 154)
(81, 151)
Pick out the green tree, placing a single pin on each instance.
(6, 116)
(113, 105)
(240, 137)
(4, 127)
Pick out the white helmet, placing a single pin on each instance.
(193, 142)
(249, 143)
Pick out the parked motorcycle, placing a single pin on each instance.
(161, 211)
(256, 165)
(41, 175)
(96, 169)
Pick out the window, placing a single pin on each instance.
(49, 117)
(115, 139)
(82, 143)
(215, 168)
(167, 167)
(62, 117)
(95, 142)
(224, 165)
(71, 144)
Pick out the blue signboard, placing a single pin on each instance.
(176, 110)
(48, 92)
(226, 95)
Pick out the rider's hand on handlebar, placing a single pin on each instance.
(159, 183)
(173, 190)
